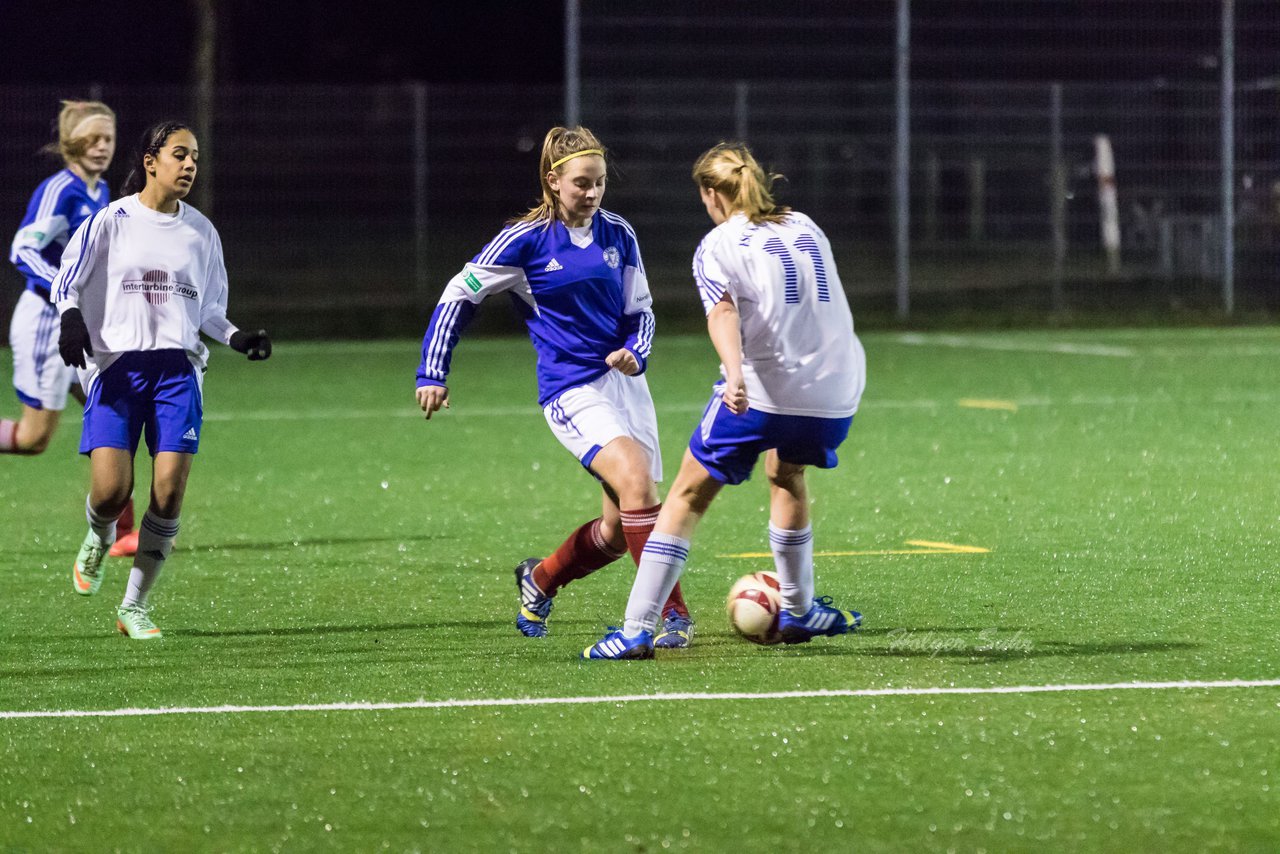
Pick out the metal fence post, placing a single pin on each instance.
(1228, 156)
(421, 282)
(572, 88)
(977, 198)
(740, 111)
(902, 160)
(1057, 196)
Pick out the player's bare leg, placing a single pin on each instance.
(624, 467)
(31, 433)
(661, 563)
(111, 485)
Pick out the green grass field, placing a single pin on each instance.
(336, 549)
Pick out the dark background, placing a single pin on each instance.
(484, 41)
(315, 139)
(285, 41)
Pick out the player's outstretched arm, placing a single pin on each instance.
(432, 397)
(725, 327)
(255, 345)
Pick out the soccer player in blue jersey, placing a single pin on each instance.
(86, 144)
(573, 272)
(139, 282)
(793, 373)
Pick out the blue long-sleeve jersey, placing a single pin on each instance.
(58, 206)
(582, 293)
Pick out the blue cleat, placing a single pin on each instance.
(616, 646)
(535, 606)
(677, 631)
(821, 620)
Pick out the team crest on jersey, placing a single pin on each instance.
(156, 286)
(612, 257)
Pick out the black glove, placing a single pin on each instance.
(257, 345)
(73, 340)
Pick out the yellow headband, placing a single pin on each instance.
(83, 125)
(569, 157)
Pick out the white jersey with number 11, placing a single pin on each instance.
(800, 353)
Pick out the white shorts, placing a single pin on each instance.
(588, 417)
(40, 377)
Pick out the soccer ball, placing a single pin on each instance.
(754, 603)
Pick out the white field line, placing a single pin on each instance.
(643, 698)
(971, 343)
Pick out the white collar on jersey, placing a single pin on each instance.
(581, 235)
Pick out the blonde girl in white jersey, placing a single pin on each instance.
(139, 283)
(793, 374)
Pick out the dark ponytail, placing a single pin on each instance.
(152, 141)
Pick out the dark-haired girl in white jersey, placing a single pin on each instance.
(138, 284)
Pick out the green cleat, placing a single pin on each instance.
(132, 620)
(86, 575)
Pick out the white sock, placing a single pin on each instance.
(155, 542)
(103, 528)
(793, 558)
(661, 563)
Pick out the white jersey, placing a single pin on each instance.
(800, 354)
(145, 280)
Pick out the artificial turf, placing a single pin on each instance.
(1116, 492)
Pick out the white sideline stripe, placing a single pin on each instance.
(642, 698)
(958, 341)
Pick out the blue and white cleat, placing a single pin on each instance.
(535, 606)
(616, 646)
(821, 620)
(677, 631)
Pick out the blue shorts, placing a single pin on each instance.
(156, 391)
(728, 445)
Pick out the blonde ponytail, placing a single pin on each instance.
(730, 169)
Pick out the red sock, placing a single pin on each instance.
(637, 525)
(8, 435)
(582, 554)
(125, 523)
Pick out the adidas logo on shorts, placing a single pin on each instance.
(190, 434)
(553, 266)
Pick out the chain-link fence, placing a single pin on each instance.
(345, 209)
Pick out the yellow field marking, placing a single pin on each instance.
(926, 547)
(980, 403)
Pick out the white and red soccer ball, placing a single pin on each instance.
(755, 601)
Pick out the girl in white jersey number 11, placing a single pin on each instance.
(157, 262)
(793, 373)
